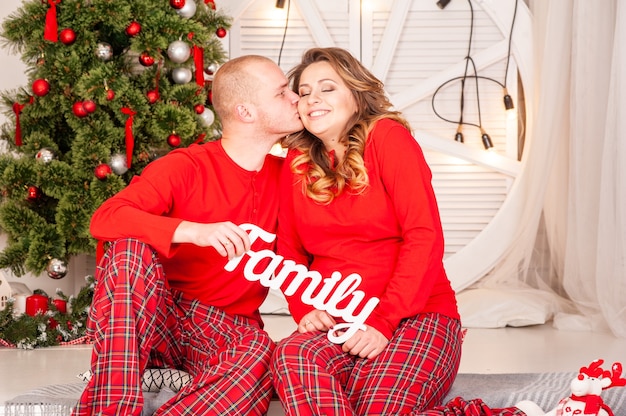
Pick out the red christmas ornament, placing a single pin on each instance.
(177, 4)
(67, 36)
(145, 59)
(133, 29)
(209, 98)
(153, 96)
(102, 171)
(41, 87)
(89, 106)
(79, 109)
(110, 95)
(220, 32)
(173, 140)
(34, 193)
(210, 3)
(199, 108)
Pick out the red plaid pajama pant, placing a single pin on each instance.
(314, 377)
(136, 322)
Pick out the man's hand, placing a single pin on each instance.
(227, 238)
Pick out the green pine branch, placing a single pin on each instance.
(46, 204)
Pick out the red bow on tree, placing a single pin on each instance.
(17, 109)
(51, 28)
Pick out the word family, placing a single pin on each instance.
(332, 290)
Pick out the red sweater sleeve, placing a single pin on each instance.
(139, 210)
(406, 178)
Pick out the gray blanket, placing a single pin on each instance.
(496, 390)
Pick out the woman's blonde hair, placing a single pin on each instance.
(322, 179)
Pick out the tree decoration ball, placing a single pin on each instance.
(45, 155)
(104, 51)
(41, 87)
(177, 4)
(178, 51)
(102, 171)
(133, 29)
(89, 106)
(182, 75)
(145, 59)
(173, 140)
(152, 96)
(56, 269)
(33, 193)
(118, 164)
(67, 36)
(188, 10)
(79, 109)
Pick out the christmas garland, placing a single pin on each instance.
(50, 328)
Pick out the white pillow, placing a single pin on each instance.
(154, 379)
(494, 308)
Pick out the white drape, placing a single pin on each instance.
(571, 239)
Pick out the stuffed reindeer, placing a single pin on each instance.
(586, 389)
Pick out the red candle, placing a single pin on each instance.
(61, 305)
(36, 304)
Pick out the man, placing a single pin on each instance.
(162, 295)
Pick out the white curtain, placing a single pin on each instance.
(572, 234)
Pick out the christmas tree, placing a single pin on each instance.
(113, 84)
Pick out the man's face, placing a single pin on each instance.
(277, 104)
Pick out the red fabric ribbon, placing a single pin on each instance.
(51, 29)
(198, 60)
(200, 138)
(130, 141)
(593, 403)
(17, 109)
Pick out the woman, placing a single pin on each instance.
(357, 197)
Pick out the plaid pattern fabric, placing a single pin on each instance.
(475, 407)
(314, 377)
(136, 322)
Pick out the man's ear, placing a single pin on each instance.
(244, 113)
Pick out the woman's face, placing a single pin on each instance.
(326, 103)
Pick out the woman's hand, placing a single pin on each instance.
(366, 344)
(316, 321)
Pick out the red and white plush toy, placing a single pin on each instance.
(586, 389)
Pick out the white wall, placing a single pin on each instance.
(11, 67)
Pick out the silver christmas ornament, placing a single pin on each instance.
(118, 164)
(181, 75)
(179, 51)
(104, 51)
(45, 155)
(57, 269)
(207, 117)
(211, 69)
(188, 10)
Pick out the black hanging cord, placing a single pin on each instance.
(468, 58)
(282, 44)
(476, 77)
(508, 54)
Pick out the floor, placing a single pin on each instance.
(506, 350)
